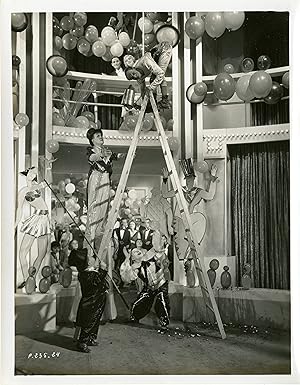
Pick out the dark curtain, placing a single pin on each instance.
(260, 212)
(264, 114)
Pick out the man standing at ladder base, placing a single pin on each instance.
(153, 65)
(151, 269)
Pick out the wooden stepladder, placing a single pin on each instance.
(204, 282)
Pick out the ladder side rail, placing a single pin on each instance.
(167, 153)
(113, 213)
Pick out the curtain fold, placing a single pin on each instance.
(263, 114)
(260, 204)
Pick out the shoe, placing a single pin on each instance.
(133, 320)
(82, 347)
(92, 342)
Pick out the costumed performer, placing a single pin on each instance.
(150, 269)
(152, 64)
(93, 288)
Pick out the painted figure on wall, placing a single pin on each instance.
(195, 197)
(36, 226)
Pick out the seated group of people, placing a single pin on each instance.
(134, 237)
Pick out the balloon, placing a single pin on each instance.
(30, 285)
(128, 201)
(91, 34)
(263, 62)
(149, 38)
(201, 166)
(124, 39)
(224, 86)
(124, 196)
(243, 90)
(82, 122)
(169, 126)
(99, 124)
(112, 193)
(130, 121)
(71, 122)
(247, 64)
(194, 27)
(16, 61)
(70, 188)
(80, 18)
(132, 194)
(69, 41)
(192, 97)
(57, 66)
(67, 23)
(233, 20)
(55, 20)
(145, 24)
(157, 25)
(108, 35)
(76, 207)
(200, 89)
(147, 122)
(21, 119)
(127, 211)
(229, 68)
(275, 94)
(83, 46)
(152, 16)
(44, 285)
(117, 49)
(57, 120)
(173, 143)
(46, 271)
(89, 115)
(98, 48)
(58, 43)
(286, 80)
(107, 56)
(67, 180)
(19, 22)
(260, 84)
(77, 31)
(168, 33)
(52, 146)
(65, 277)
(57, 30)
(214, 24)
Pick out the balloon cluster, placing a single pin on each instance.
(130, 203)
(71, 32)
(213, 23)
(263, 63)
(72, 192)
(259, 85)
(152, 26)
